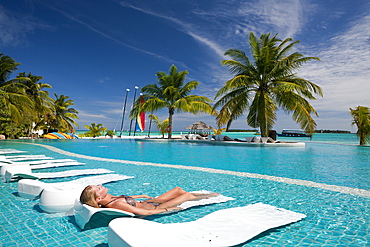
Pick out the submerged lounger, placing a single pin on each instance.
(227, 227)
(60, 197)
(88, 217)
(24, 167)
(23, 157)
(11, 151)
(12, 173)
(57, 199)
(36, 162)
(31, 189)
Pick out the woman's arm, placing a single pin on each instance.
(141, 196)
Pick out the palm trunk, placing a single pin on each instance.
(171, 112)
(362, 139)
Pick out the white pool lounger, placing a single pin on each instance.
(60, 197)
(26, 167)
(10, 151)
(21, 172)
(31, 189)
(14, 158)
(88, 217)
(35, 162)
(227, 227)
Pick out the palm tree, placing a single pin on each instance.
(161, 126)
(95, 129)
(268, 82)
(13, 98)
(35, 91)
(172, 93)
(361, 118)
(63, 116)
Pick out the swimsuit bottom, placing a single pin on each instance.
(155, 204)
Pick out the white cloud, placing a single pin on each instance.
(187, 28)
(283, 16)
(86, 115)
(13, 29)
(104, 79)
(344, 70)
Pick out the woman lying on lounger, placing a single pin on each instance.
(97, 196)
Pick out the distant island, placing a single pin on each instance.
(333, 131)
(316, 131)
(237, 130)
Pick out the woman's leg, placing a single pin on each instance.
(178, 200)
(177, 196)
(171, 194)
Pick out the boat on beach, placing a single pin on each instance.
(294, 133)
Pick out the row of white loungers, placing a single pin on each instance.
(12, 169)
(54, 197)
(225, 227)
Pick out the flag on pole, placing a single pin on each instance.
(140, 123)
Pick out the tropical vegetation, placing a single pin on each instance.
(95, 130)
(110, 133)
(160, 125)
(361, 118)
(264, 83)
(218, 131)
(172, 93)
(25, 105)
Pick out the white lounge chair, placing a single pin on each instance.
(36, 162)
(89, 217)
(21, 172)
(25, 166)
(249, 138)
(10, 151)
(31, 189)
(256, 139)
(15, 158)
(60, 197)
(227, 227)
(268, 140)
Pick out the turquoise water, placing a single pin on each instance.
(333, 218)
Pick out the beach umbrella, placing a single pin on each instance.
(199, 126)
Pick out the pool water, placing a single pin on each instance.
(333, 218)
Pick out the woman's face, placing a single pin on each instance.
(100, 191)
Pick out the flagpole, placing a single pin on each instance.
(123, 111)
(136, 88)
(136, 120)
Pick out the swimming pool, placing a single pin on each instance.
(333, 218)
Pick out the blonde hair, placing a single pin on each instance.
(88, 196)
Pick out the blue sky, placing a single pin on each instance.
(92, 51)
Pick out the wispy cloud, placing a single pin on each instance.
(104, 79)
(86, 115)
(283, 16)
(102, 33)
(13, 29)
(185, 27)
(344, 70)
